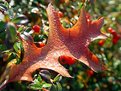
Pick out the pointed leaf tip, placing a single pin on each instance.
(83, 13)
(50, 7)
(82, 19)
(100, 22)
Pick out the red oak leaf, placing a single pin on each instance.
(72, 42)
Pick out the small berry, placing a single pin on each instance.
(67, 60)
(36, 28)
(60, 14)
(112, 31)
(115, 39)
(95, 59)
(116, 36)
(90, 73)
(101, 42)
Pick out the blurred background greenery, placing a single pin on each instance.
(19, 16)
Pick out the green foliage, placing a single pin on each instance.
(38, 84)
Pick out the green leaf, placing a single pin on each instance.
(11, 32)
(39, 78)
(21, 19)
(17, 46)
(46, 76)
(20, 29)
(2, 26)
(12, 56)
(57, 78)
(36, 87)
(2, 47)
(38, 84)
(46, 85)
(3, 7)
(54, 88)
(2, 36)
(81, 85)
(59, 87)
